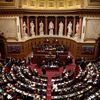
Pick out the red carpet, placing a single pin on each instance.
(51, 72)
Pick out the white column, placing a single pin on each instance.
(83, 29)
(74, 25)
(18, 29)
(21, 26)
(28, 31)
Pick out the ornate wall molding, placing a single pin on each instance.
(20, 12)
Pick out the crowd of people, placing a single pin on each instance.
(21, 82)
(84, 86)
(50, 54)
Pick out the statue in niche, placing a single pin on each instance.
(24, 29)
(69, 29)
(61, 27)
(77, 34)
(32, 26)
(41, 26)
(77, 28)
(51, 27)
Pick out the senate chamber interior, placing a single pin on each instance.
(49, 49)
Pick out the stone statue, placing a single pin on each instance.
(51, 27)
(77, 28)
(24, 29)
(69, 29)
(41, 26)
(77, 34)
(61, 27)
(32, 26)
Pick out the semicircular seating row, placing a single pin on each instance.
(84, 85)
(24, 81)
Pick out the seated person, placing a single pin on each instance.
(64, 71)
(69, 60)
(35, 72)
(43, 71)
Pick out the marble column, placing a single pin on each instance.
(56, 28)
(46, 30)
(74, 25)
(28, 30)
(65, 32)
(83, 28)
(18, 29)
(80, 24)
(36, 25)
(21, 26)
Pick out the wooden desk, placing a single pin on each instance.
(49, 54)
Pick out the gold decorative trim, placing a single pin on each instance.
(89, 39)
(94, 3)
(12, 38)
(3, 3)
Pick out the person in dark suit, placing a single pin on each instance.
(43, 70)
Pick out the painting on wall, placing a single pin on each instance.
(87, 49)
(13, 48)
(92, 28)
(8, 25)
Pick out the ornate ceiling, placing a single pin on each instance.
(63, 7)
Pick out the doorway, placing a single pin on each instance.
(2, 47)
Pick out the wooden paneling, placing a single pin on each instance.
(74, 47)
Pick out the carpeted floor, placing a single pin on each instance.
(51, 72)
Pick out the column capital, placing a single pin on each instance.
(65, 16)
(46, 16)
(21, 16)
(74, 16)
(36, 16)
(56, 16)
(80, 16)
(28, 16)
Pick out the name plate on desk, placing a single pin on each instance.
(50, 56)
(51, 66)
